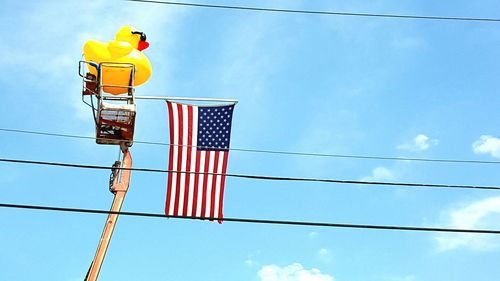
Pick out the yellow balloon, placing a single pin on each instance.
(126, 48)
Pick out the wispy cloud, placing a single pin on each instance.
(324, 255)
(292, 272)
(251, 259)
(324, 131)
(249, 262)
(313, 234)
(420, 143)
(327, 132)
(408, 43)
(380, 174)
(323, 252)
(480, 214)
(487, 145)
(49, 58)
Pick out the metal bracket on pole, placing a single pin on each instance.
(119, 187)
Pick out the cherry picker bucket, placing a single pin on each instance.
(114, 114)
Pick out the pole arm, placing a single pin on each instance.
(120, 186)
(185, 99)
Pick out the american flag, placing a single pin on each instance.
(199, 147)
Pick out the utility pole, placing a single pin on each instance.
(119, 186)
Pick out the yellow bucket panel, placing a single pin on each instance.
(116, 76)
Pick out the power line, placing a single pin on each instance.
(311, 12)
(255, 221)
(73, 136)
(265, 151)
(256, 177)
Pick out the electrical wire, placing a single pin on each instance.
(311, 12)
(255, 221)
(264, 151)
(256, 177)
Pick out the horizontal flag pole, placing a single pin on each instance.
(185, 99)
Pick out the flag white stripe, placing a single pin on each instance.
(200, 183)
(173, 187)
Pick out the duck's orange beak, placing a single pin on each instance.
(142, 45)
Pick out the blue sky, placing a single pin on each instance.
(364, 86)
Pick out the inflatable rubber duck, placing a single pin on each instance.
(126, 48)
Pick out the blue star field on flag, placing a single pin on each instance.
(214, 127)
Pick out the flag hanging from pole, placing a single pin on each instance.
(199, 147)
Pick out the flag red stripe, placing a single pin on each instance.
(214, 184)
(188, 160)
(205, 180)
(170, 155)
(222, 184)
(179, 160)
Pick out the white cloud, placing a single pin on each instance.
(324, 255)
(380, 174)
(480, 214)
(249, 262)
(420, 143)
(487, 145)
(323, 252)
(313, 234)
(293, 272)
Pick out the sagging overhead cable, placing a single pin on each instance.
(265, 151)
(257, 221)
(258, 177)
(311, 12)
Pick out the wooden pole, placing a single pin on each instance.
(120, 186)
